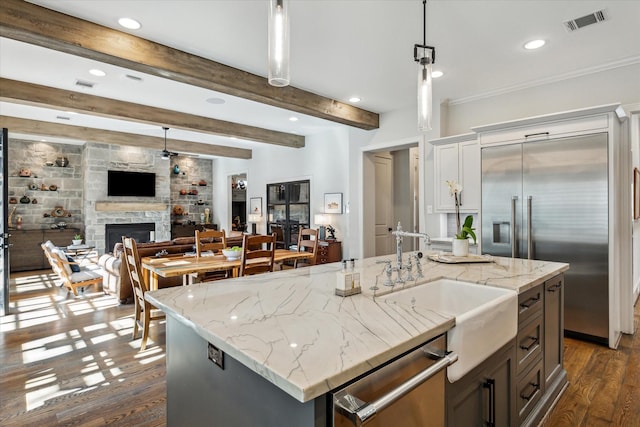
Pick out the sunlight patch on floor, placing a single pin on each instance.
(40, 381)
(36, 300)
(95, 327)
(93, 379)
(37, 398)
(102, 338)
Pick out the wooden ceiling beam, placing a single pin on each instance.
(43, 96)
(48, 129)
(37, 25)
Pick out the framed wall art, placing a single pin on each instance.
(333, 203)
(255, 206)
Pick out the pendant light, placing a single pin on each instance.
(166, 154)
(279, 42)
(425, 56)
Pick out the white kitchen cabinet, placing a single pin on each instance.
(457, 158)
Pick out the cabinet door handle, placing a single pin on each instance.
(490, 384)
(536, 134)
(529, 229)
(534, 341)
(363, 411)
(554, 287)
(534, 389)
(529, 302)
(514, 241)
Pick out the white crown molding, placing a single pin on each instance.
(554, 79)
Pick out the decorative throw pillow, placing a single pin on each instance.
(75, 268)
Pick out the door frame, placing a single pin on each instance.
(366, 223)
(225, 223)
(4, 226)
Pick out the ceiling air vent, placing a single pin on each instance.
(85, 84)
(583, 21)
(134, 78)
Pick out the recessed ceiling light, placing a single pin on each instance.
(293, 119)
(436, 74)
(129, 23)
(216, 101)
(293, 345)
(354, 99)
(98, 73)
(534, 44)
(43, 140)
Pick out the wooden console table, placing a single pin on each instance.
(329, 251)
(25, 252)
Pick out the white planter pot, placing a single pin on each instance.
(460, 247)
(76, 242)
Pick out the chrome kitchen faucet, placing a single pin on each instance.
(399, 233)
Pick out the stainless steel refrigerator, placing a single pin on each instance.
(548, 200)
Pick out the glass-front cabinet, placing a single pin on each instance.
(288, 210)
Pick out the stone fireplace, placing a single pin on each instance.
(141, 232)
(102, 210)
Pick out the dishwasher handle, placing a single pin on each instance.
(366, 411)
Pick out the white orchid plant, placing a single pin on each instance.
(466, 230)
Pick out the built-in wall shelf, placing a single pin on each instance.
(130, 206)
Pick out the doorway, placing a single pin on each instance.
(391, 194)
(238, 202)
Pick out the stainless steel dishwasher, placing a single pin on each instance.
(408, 391)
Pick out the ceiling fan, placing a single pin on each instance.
(166, 154)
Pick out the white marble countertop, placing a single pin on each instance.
(290, 328)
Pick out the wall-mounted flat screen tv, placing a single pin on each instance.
(127, 183)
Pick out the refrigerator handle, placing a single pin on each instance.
(529, 228)
(514, 242)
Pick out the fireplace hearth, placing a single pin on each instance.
(141, 233)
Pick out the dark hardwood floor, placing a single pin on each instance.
(604, 384)
(71, 361)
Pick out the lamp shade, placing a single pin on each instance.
(321, 219)
(424, 94)
(254, 218)
(279, 42)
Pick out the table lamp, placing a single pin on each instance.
(254, 219)
(321, 220)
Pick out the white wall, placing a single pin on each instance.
(606, 87)
(324, 161)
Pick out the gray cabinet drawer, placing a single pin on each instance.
(529, 344)
(530, 304)
(528, 392)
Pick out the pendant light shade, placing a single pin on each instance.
(279, 42)
(425, 56)
(424, 94)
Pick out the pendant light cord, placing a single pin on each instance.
(424, 22)
(165, 137)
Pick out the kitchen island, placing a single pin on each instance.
(288, 340)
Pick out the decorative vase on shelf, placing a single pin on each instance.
(460, 247)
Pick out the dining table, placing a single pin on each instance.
(188, 265)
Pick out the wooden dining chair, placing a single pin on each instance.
(214, 241)
(210, 240)
(254, 247)
(145, 312)
(307, 242)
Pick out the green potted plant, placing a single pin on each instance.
(77, 239)
(460, 244)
